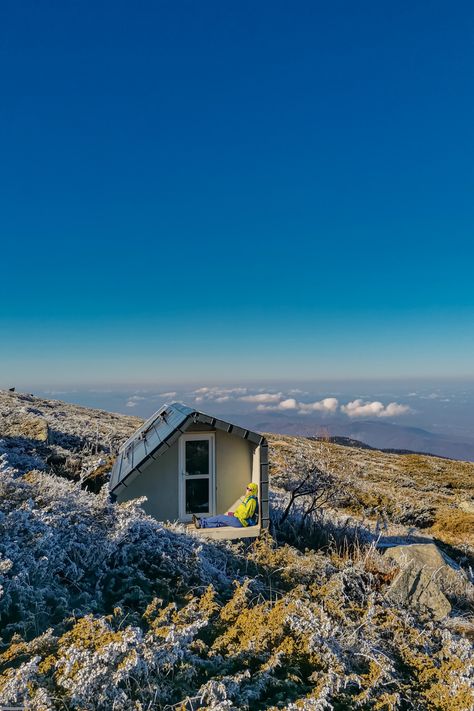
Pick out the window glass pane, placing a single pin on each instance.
(197, 496)
(197, 456)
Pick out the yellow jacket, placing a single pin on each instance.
(246, 510)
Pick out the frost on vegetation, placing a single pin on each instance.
(75, 553)
(104, 608)
(309, 486)
(70, 440)
(5, 467)
(15, 459)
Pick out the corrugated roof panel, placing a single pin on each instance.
(221, 425)
(205, 419)
(144, 465)
(115, 474)
(118, 489)
(239, 431)
(254, 437)
(175, 410)
(162, 447)
(132, 476)
(147, 439)
(139, 452)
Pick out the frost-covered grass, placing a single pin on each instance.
(399, 492)
(104, 608)
(65, 551)
(50, 435)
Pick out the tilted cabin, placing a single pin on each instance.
(186, 462)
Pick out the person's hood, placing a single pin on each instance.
(253, 488)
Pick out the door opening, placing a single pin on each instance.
(197, 475)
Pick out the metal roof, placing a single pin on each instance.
(157, 435)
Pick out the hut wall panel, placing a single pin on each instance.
(159, 483)
(233, 467)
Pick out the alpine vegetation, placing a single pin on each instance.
(103, 607)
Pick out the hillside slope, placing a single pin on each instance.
(101, 607)
(59, 437)
(400, 492)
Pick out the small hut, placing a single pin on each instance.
(186, 462)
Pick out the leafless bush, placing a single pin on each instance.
(306, 484)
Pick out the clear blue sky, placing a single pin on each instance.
(235, 190)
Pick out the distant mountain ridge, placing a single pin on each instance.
(349, 442)
(388, 436)
(377, 434)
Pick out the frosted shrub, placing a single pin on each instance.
(306, 484)
(65, 552)
(104, 608)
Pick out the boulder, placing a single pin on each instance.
(424, 572)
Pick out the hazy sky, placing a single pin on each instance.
(215, 191)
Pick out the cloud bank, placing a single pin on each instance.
(288, 402)
(328, 405)
(262, 397)
(216, 394)
(359, 408)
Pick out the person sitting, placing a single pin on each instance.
(246, 514)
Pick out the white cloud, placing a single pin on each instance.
(359, 408)
(262, 397)
(134, 400)
(289, 404)
(217, 394)
(170, 394)
(329, 404)
(394, 408)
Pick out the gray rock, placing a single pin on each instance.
(424, 573)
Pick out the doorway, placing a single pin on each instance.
(196, 475)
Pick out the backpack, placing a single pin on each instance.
(253, 520)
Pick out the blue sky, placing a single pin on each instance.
(219, 191)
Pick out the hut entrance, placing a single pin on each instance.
(197, 475)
